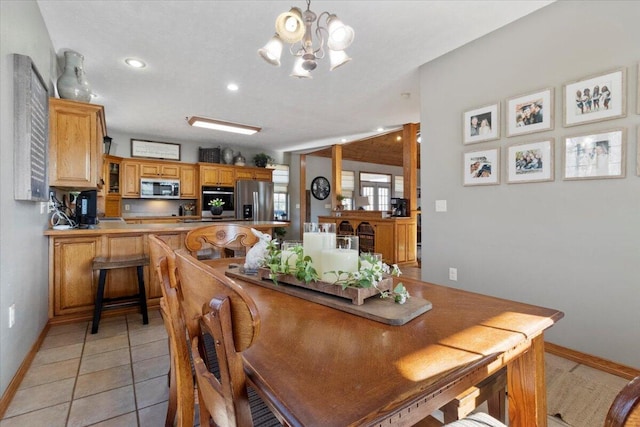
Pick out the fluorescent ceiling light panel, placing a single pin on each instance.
(207, 123)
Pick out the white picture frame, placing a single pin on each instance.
(481, 167)
(481, 124)
(611, 102)
(595, 155)
(530, 113)
(530, 162)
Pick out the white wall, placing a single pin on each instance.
(570, 245)
(23, 248)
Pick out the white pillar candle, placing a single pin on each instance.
(338, 260)
(313, 243)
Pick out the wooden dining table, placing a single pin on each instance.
(319, 366)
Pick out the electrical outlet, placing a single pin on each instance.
(127, 207)
(44, 207)
(12, 315)
(453, 274)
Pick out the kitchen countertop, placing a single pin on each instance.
(119, 227)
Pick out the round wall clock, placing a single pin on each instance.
(320, 187)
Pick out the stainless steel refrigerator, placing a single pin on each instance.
(254, 200)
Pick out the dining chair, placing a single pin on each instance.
(181, 384)
(225, 239)
(623, 412)
(214, 305)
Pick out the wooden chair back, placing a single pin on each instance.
(625, 409)
(199, 283)
(223, 310)
(222, 237)
(181, 384)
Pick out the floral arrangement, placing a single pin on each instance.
(216, 202)
(371, 271)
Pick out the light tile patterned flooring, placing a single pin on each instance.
(118, 377)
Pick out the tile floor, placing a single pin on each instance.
(118, 377)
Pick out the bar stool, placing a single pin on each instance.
(104, 264)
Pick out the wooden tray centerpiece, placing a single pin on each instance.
(356, 295)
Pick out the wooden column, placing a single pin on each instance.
(303, 191)
(410, 165)
(336, 174)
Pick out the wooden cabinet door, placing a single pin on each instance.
(170, 171)
(244, 174)
(74, 284)
(384, 241)
(217, 175)
(259, 174)
(149, 170)
(130, 179)
(263, 174)
(188, 185)
(122, 281)
(75, 143)
(113, 206)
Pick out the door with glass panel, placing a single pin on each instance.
(377, 188)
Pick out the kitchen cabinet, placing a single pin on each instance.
(159, 170)
(217, 175)
(130, 179)
(395, 238)
(110, 200)
(259, 174)
(112, 206)
(188, 182)
(76, 132)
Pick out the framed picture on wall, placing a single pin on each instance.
(596, 98)
(481, 167)
(481, 124)
(530, 113)
(530, 162)
(595, 155)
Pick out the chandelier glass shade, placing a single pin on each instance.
(296, 27)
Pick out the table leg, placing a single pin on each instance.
(526, 387)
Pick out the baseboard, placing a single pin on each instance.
(595, 362)
(22, 371)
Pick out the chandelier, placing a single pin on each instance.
(296, 28)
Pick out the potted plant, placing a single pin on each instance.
(262, 160)
(216, 206)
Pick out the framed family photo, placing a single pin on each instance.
(530, 162)
(530, 113)
(481, 124)
(481, 167)
(595, 156)
(596, 98)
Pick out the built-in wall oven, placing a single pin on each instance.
(226, 194)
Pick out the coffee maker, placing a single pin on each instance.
(86, 209)
(399, 207)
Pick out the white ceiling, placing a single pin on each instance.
(193, 49)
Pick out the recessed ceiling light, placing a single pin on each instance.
(232, 87)
(135, 63)
(343, 140)
(204, 122)
(380, 129)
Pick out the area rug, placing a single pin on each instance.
(578, 401)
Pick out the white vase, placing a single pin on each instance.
(227, 156)
(73, 84)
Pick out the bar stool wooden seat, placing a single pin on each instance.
(104, 264)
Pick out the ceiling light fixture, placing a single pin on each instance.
(295, 26)
(135, 63)
(204, 122)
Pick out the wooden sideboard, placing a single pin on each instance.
(72, 282)
(395, 238)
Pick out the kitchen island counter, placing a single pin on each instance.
(119, 227)
(72, 281)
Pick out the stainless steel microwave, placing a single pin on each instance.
(159, 188)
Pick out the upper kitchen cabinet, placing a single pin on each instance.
(76, 132)
(159, 170)
(217, 175)
(188, 182)
(259, 174)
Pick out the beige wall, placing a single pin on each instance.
(23, 248)
(570, 245)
